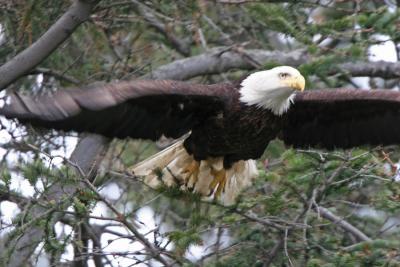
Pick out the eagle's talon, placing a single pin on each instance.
(191, 175)
(217, 185)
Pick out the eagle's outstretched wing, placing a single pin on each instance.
(138, 109)
(343, 118)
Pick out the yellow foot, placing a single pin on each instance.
(217, 185)
(191, 174)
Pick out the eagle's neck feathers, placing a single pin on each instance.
(278, 101)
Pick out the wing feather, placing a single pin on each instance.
(343, 118)
(138, 109)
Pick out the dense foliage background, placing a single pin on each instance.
(306, 208)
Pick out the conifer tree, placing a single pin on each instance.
(68, 200)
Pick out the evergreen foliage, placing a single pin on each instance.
(284, 219)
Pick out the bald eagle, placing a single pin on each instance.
(222, 127)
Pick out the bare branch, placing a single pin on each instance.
(178, 43)
(325, 213)
(223, 59)
(56, 74)
(20, 248)
(151, 248)
(377, 243)
(46, 44)
(383, 69)
(87, 156)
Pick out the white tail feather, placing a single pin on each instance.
(241, 176)
(170, 167)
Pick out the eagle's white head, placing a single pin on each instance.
(272, 89)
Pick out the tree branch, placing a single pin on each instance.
(383, 69)
(372, 245)
(56, 74)
(89, 151)
(86, 158)
(178, 43)
(154, 250)
(325, 213)
(47, 43)
(222, 59)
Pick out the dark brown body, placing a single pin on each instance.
(239, 132)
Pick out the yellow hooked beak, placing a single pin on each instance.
(296, 82)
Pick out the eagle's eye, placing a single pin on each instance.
(284, 75)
